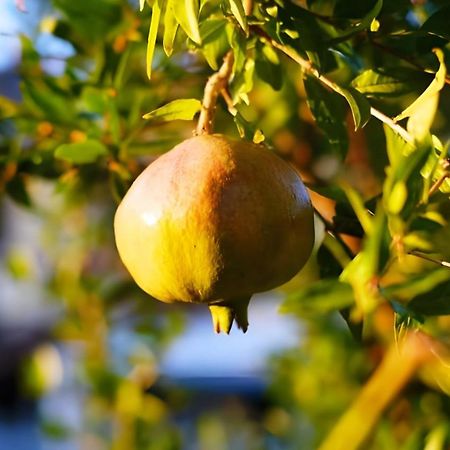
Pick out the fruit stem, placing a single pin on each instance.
(215, 84)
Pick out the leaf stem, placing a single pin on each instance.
(215, 84)
(308, 67)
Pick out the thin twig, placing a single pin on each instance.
(229, 101)
(392, 125)
(428, 258)
(438, 183)
(308, 67)
(213, 87)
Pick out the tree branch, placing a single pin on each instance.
(311, 70)
(397, 368)
(216, 83)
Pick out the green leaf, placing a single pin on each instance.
(81, 152)
(238, 11)
(359, 106)
(431, 91)
(327, 109)
(267, 66)
(378, 83)
(91, 19)
(319, 298)
(242, 83)
(376, 245)
(238, 43)
(182, 109)
(434, 302)
(170, 28)
(48, 102)
(186, 13)
(417, 285)
(437, 23)
(369, 263)
(364, 23)
(397, 197)
(405, 169)
(396, 147)
(214, 41)
(152, 33)
(245, 129)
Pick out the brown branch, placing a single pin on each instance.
(216, 83)
(308, 67)
(229, 101)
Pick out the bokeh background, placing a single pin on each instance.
(87, 360)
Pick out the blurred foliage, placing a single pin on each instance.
(305, 77)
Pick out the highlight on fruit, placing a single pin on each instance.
(213, 221)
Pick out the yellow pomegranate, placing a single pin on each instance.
(213, 221)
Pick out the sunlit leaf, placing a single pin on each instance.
(258, 137)
(417, 285)
(214, 41)
(186, 13)
(370, 261)
(238, 11)
(362, 213)
(238, 43)
(152, 34)
(245, 129)
(378, 83)
(242, 84)
(397, 198)
(396, 147)
(170, 27)
(432, 91)
(405, 170)
(81, 152)
(183, 109)
(359, 106)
